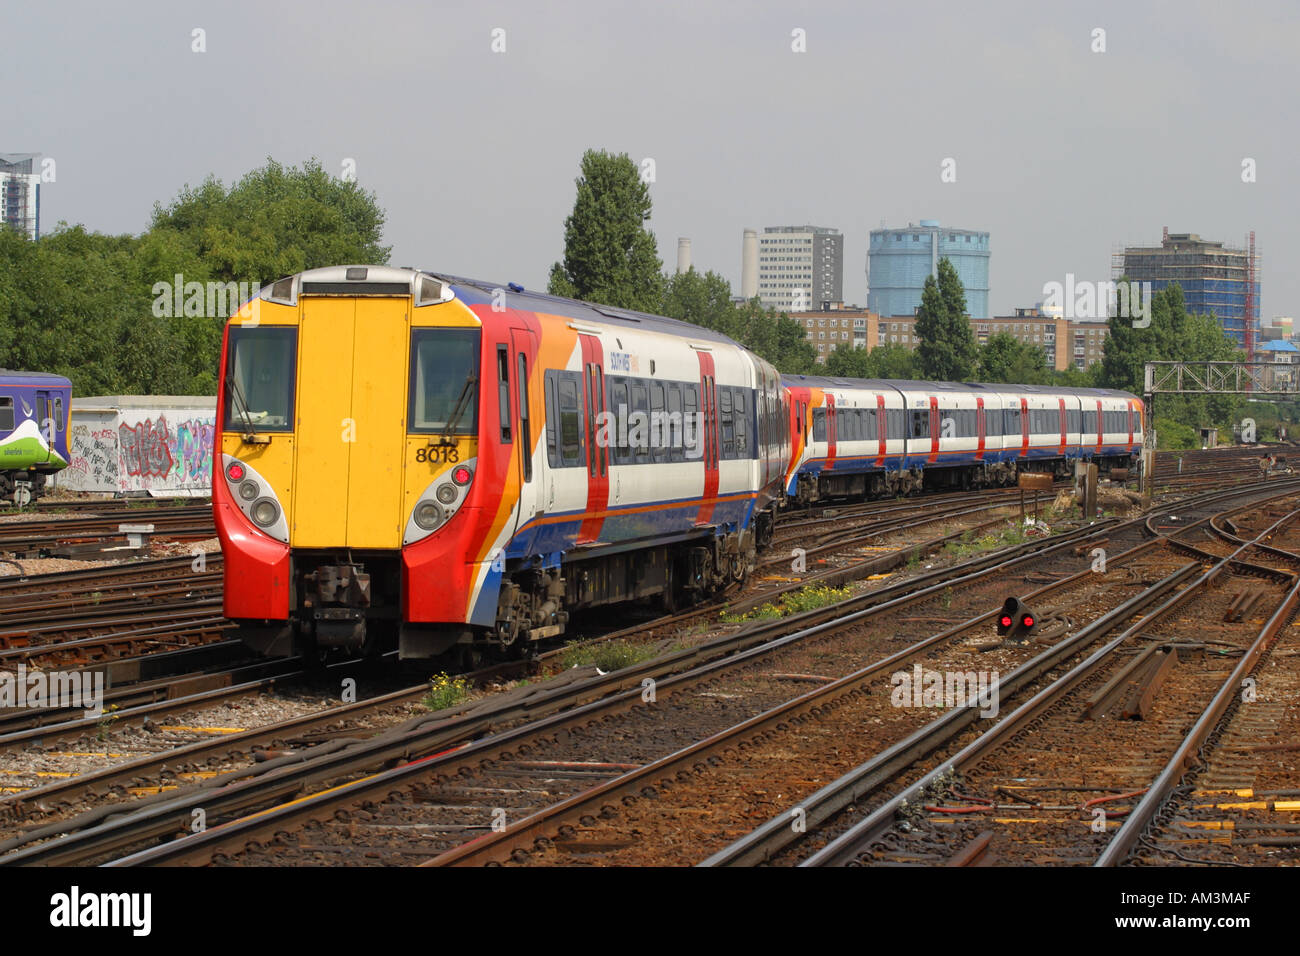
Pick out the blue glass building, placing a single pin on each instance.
(900, 259)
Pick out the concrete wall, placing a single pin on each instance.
(140, 444)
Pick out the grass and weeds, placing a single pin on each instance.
(446, 691)
(970, 543)
(796, 602)
(607, 656)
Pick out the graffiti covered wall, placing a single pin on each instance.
(141, 449)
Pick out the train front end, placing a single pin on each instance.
(348, 422)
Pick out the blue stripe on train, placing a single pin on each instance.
(552, 540)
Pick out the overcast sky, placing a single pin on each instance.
(1061, 153)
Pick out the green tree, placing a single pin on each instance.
(891, 361)
(847, 361)
(609, 256)
(700, 300)
(947, 350)
(1004, 358)
(1172, 334)
(81, 304)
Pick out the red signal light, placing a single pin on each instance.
(235, 472)
(461, 475)
(1028, 620)
(1006, 621)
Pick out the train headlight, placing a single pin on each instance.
(462, 475)
(428, 515)
(248, 490)
(447, 494)
(265, 512)
(235, 471)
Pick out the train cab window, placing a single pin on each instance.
(6, 414)
(261, 363)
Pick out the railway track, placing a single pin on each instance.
(412, 747)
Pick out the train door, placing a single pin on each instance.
(1060, 451)
(979, 429)
(709, 413)
(44, 422)
(882, 431)
(832, 430)
(935, 431)
(1100, 427)
(348, 484)
(1024, 429)
(526, 397)
(593, 395)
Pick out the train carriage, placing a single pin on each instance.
(432, 462)
(33, 431)
(947, 435)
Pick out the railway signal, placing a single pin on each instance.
(1016, 621)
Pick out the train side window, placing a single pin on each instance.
(58, 412)
(570, 428)
(742, 425)
(727, 425)
(691, 413)
(552, 421)
(921, 423)
(619, 403)
(503, 391)
(658, 429)
(673, 429)
(6, 414)
(819, 424)
(640, 409)
(525, 430)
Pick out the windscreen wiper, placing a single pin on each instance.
(250, 436)
(462, 403)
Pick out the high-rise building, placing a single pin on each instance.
(800, 268)
(1214, 278)
(1065, 343)
(899, 261)
(20, 192)
(828, 329)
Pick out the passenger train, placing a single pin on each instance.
(431, 463)
(33, 431)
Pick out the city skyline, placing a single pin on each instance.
(1060, 171)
